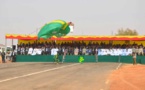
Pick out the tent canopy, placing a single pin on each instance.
(84, 37)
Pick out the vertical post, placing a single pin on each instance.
(119, 58)
(12, 42)
(11, 52)
(5, 47)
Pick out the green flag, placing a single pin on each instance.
(81, 59)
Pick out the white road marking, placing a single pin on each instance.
(118, 65)
(35, 73)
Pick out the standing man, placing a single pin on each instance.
(13, 56)
(134, 58)
(55, 53)
(64, 54)
(3, 56)
(84, 51)
(96, 54)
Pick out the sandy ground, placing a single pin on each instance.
(128, 77)
(7, 61)
(71, 76)
(50, 76)
(0, 59)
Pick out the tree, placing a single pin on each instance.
(126, 32)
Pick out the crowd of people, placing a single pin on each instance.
(74, 48)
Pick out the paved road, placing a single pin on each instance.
(50, 76)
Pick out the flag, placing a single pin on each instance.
(81, 59)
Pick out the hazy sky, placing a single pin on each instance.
(91, 17)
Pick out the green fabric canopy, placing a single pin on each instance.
(56, 28)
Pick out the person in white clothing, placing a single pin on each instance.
(52, 51)
(55, 53)
(30, 51)
(39, 51)
(35, 51)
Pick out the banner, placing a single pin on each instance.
(115, 52)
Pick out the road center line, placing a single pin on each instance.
(118, 66)
(35, 73)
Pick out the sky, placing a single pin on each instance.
(91, 17)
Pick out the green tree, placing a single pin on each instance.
(126, 32)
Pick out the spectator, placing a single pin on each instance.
(39, 51)
(140, 50)
(35, 51)
(144, 51)
(84, 51)
(76, 51)
(69, 50)
(47, 50)
(133, 49)
(30, 51)
(88, 49)
(26, 50)
(80, 51)
(19, 50)
(136, 50)
(22, 50)
(43, 50)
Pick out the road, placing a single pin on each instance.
(51, 76)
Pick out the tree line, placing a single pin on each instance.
(126, 32)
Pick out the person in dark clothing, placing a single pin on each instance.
(47, 50)
(13, 55)
(3, 56)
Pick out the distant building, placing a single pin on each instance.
(2, 47)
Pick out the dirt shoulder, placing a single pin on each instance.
(128, 77)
